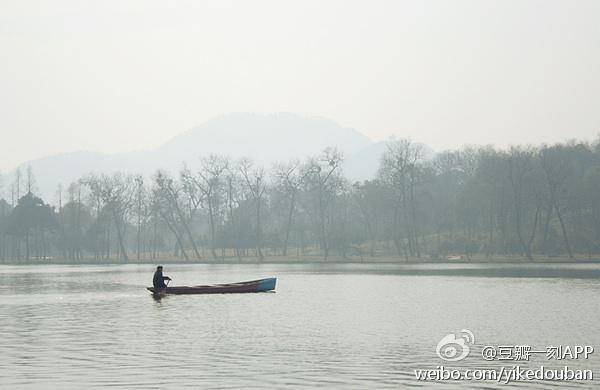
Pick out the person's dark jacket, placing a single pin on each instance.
(159, 279)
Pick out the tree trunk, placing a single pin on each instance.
(547, 227)
(324, 244)
(564, 230)
(187, 230)
(258, 232)
(211, 220)
(120, 237)
(177, 235)
(288, 227)
(27, 244)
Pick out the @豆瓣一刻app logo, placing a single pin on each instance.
(455, 347)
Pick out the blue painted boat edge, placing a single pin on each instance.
(266, 284)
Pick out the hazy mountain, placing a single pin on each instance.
(265, 138)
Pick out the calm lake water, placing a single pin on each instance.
(340, 326)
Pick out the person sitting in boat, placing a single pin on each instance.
(159, 279)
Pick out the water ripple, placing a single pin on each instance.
(96, 327)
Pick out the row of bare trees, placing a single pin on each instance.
(524, 201)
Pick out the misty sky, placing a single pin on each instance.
(123, 75)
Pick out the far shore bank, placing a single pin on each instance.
(313, 260)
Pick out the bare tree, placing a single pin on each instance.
(168, 195)
(370, 202)
(288, 181)
(141, 211)
(254, 178)
(556, 170)
(401, 168)
(210, 181)
(17, 185)
(235, 195)
(521, 171)
(117, 193)
(31, 183)
(322, 180)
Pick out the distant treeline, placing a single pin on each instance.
(477, 201)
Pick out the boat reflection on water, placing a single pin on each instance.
(158, 297)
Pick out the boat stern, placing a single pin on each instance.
(266, 284)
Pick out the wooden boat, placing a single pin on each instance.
(251, 286)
